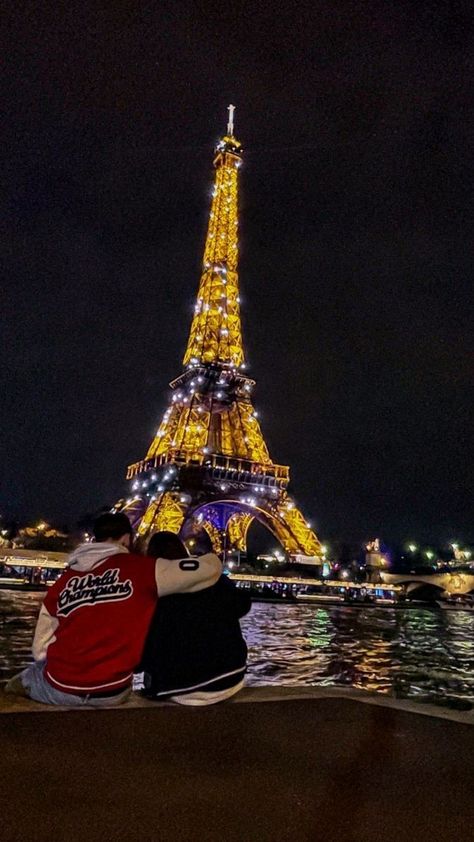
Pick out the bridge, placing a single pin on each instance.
(440, 583)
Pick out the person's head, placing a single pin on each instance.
(114, 529)
(166, 545)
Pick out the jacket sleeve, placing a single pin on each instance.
(45, 633)
(239, 601)
(186, 575)
(243, 602)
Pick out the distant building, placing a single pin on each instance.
(375, 560)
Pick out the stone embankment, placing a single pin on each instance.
(273, 764)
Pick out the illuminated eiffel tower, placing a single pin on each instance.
(208, 467)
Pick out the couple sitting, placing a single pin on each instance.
(113, 613)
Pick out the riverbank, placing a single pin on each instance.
(275, 764)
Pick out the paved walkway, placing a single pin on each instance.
(328, 767)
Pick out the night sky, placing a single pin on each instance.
(356, 246)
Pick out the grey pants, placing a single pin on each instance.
(37, 688)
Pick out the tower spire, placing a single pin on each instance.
(216, 334)
(230, 124)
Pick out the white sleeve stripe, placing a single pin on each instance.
(186, 574)
(44, 634)
(202, 684)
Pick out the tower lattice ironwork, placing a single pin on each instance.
(208, 466)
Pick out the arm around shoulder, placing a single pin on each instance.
(187, 575)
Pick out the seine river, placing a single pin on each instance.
(424, 654)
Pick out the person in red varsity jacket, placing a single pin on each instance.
(94, 619)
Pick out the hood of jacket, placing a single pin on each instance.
(86, 556)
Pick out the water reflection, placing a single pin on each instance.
(18, 613)
(420, 653)
(417, 653)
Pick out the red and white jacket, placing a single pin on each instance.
(94, 619)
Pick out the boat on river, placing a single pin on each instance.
(321, 592)
(29, 570)
(457, 602)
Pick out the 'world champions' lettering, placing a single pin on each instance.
(90, 589)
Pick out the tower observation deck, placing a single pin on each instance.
(208, 467)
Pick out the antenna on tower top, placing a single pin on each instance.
(230, 124)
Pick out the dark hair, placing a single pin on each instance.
(112, 526)
(166, 545)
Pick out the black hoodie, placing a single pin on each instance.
(195, 641)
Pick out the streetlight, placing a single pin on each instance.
(429, 554)
(412, 547)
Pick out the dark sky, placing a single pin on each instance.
(356, 246)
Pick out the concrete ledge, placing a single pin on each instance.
(275, 765)
(15, 704)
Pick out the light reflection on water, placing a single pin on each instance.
(417, 653)
(422, 653)
(18, 613)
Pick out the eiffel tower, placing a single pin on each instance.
(208, 468)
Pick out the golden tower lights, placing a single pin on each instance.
(208, 467)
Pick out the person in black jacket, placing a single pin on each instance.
(195, 653)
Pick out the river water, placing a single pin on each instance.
(423, 654)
